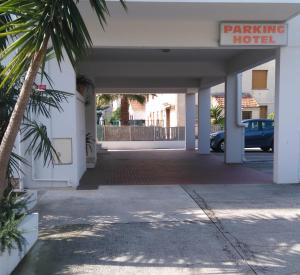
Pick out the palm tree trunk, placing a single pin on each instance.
(124, 110)
(15, 121)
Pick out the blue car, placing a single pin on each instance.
(258, 133)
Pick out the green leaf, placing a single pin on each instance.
(39, 142)
(27, 23)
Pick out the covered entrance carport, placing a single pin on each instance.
(166, 65)
(164, 46)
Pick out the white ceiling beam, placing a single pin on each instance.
(146, 82)
(152, 69)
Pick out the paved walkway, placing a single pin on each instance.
(168, 230)
(162, 167)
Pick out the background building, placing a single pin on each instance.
(168, 110)
(258, 88)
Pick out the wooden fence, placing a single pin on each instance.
(144, 133)
(140, 133)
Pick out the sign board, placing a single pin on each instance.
(253, 34)
(42, 87)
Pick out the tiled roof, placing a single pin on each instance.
(247, 101)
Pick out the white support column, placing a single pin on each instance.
(234, 130)
(90, 122)
(204, 121)
(190, 120)
(287, 114)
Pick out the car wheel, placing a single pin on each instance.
(265, 149)
(221, 146)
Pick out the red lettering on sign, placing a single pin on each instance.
(271, 40)
(42, 87)
(237, 39)
(256, 29)
(271, 29)
(256, 39)
(227, 28)
(255, 34)
(281, 29)
(264, 39)
(247, 29)
(237, 29)
(247, 39)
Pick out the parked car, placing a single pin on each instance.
(258, 133)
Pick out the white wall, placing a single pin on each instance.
(135, 115)
(287, 111)
(69, 124)
(142, 145)
(157, 104)
(80, 151)
(181, 110)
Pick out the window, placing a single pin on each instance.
(267, 125)
(252, 126)
(263, 111)
(246, 115)
(259, 79)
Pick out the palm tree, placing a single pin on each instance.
(105, 99)
(216, 114)
(27, 29)
(13, 208)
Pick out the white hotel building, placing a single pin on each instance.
(187, 47)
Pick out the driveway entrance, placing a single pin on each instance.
(163, 167)
(167, 230)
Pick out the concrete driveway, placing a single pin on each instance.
(168, 230)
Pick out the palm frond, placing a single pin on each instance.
(89, 141)
(216, 114)
(30, 22)
(103, 100)
(139, 98)
(40, 144)
(4, 19)
(41, 102)
(14, 165)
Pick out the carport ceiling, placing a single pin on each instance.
(248, 10)
(161, 55)
(166, 68)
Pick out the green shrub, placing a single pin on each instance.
(13, 210)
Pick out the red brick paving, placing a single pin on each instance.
(166, 167)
